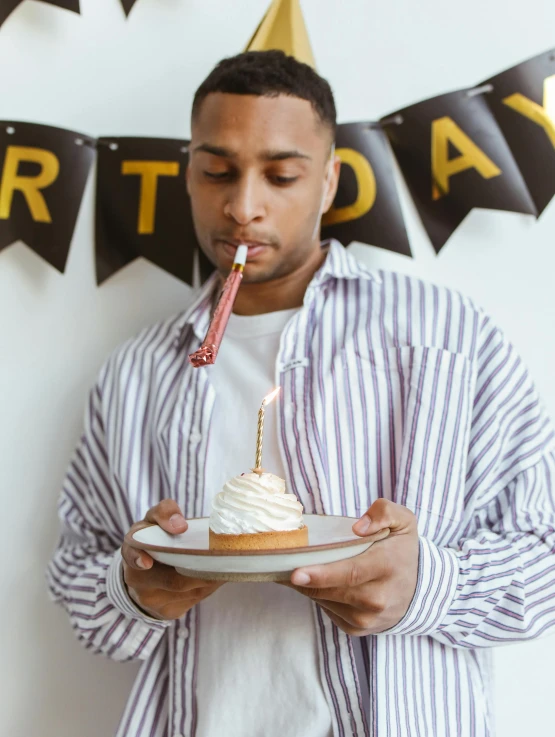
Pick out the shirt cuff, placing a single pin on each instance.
(117, 594)
(436, 587)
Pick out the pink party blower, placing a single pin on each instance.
(208, 351)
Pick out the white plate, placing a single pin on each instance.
(330, 539)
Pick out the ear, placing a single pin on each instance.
(188, 177)
(332, 183)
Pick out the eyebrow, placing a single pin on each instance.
(266, 155)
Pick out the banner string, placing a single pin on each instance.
(399, 120)
(484, 89)
(90, 142)
(393, 120)
(79, 141)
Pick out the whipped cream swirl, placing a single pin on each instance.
(252, 503)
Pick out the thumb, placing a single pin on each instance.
(168, 516)
(384, 514)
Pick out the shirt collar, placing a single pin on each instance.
(338, 265)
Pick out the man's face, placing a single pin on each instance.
(260, 173)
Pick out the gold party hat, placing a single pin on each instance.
(283, 28)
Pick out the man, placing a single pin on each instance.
(402, 405)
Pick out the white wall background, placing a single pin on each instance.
(100, 74)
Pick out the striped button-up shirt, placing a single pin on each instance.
(392, 388)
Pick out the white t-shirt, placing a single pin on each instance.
(262, 636)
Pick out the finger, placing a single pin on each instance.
(165, 578)
(142, 579)
(158, 598)
(137, 559)
(176, 608)
(384, 514)
(345, 573)
(174, 581)
(354, 597)
(372, 536)
(356, 618)
(339, 595)
(169, 605)
(345, 626)
(168, 516)
(334, 617)
(367, 597)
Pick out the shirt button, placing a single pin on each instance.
(183, 634)
(195, 438)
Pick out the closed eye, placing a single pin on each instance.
(223, 175)
(284, 180)
(216, 175)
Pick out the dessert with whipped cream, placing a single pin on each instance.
(254, 512)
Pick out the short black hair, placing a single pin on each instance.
(269, 74)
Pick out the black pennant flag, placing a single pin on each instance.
(128, 5)
(67, 4)
(43, 172)
(366, 207)
(7, 6)
(454, 157)
(142, 206)
(523, 102)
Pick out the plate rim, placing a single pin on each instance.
(129, 540)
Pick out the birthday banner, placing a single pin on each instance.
(43, 172)
(7, 6)
(142, 206)
(522, 100)
(128, 5)
(366, 207)
(454, 158)
(492, 146)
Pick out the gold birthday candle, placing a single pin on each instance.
(260, 430)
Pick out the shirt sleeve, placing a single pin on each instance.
(85, 574)
(495, 583)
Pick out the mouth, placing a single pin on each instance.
(256, 248)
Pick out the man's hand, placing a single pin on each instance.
(159, 590)
(371, 592)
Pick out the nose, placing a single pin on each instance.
(244, 204)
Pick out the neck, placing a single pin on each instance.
(282, 293)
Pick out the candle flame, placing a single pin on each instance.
(270, 397)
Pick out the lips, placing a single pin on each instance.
(255, 248)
